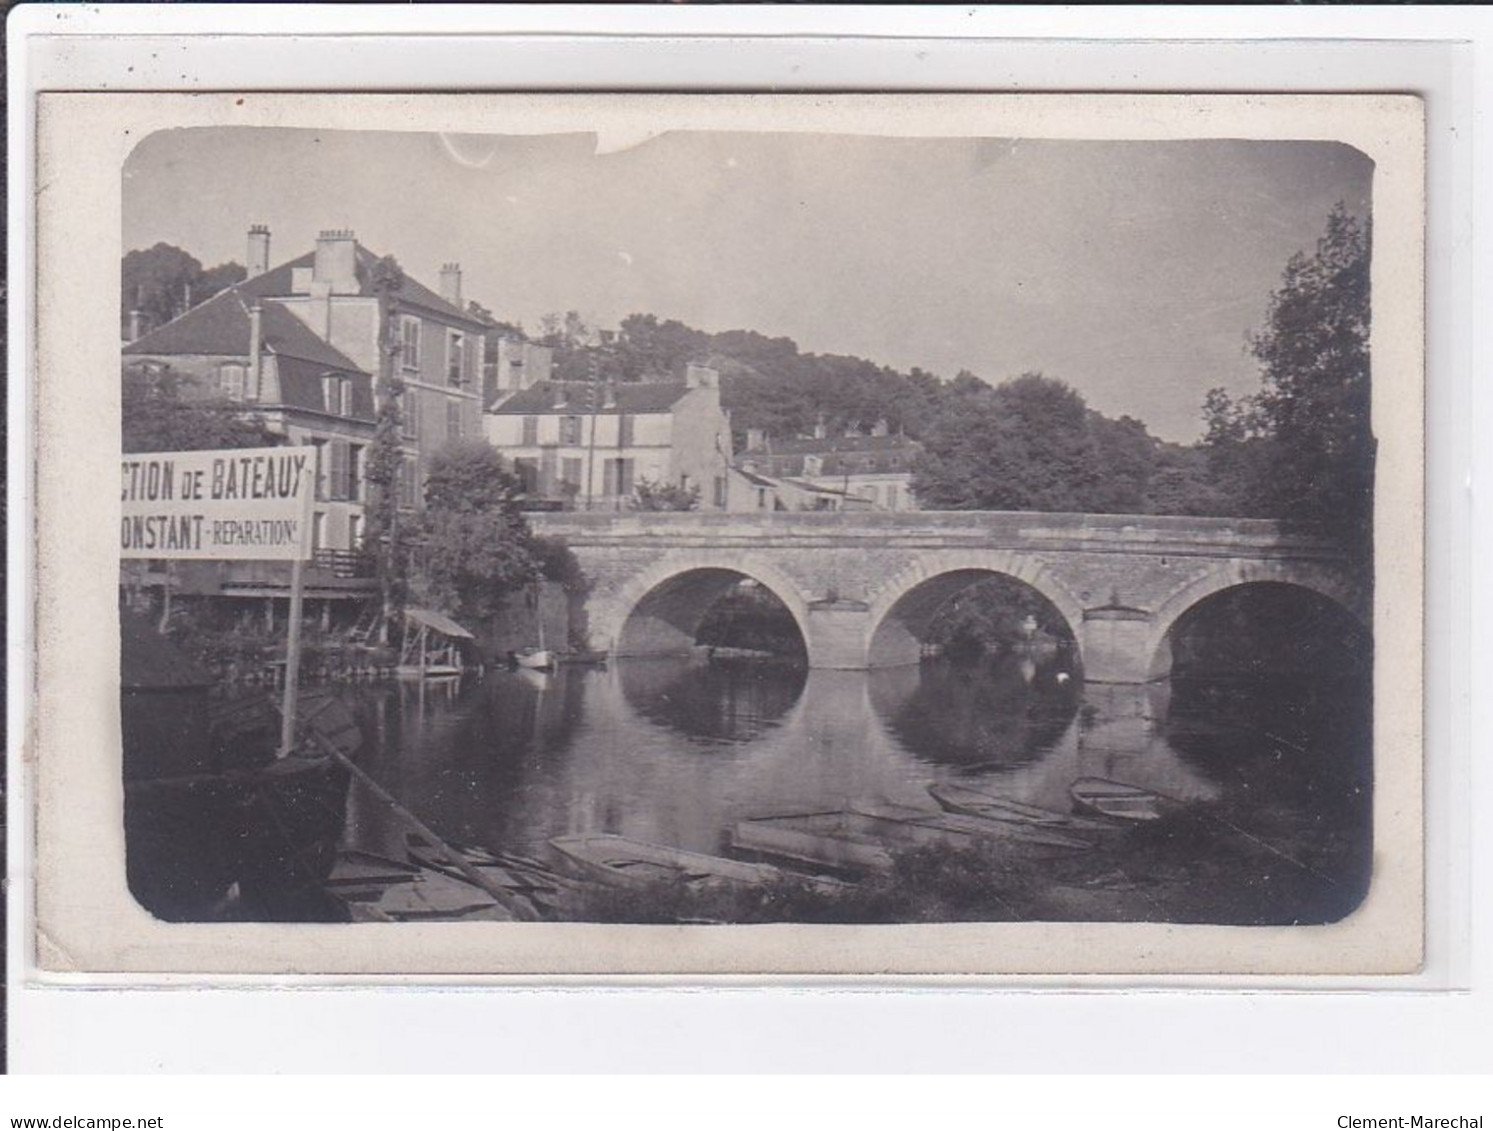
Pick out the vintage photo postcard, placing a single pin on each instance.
(729, 535)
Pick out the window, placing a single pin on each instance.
(624, 431)
(618, 475)
(322, 468)
(409, 341)
(531, 431)
(319, 530)
(411, 426)
(231, 381)
(453, 420)
(762, 498)
(570, 429)
(354, 532)
(332, 462)
(720, 491)
(455, 357)
(355, 470)
(891, 496)
(337, 395)
(406, 482)
(527, 470)
(570, 474)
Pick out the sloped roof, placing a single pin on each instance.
(807, 445)
(301, 387)
(582, 398)
(278, 282)
(440, 622)
(220, 327)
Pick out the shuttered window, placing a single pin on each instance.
(570, 429)
(531, 431)
(624, 431)
(453, 420)
(409, 341)
(412, 414)
(337, 476)
(231, 382)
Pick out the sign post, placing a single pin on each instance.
(239, 504)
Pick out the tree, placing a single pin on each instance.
(1027, 444)
(651, 496)
(161, 282)
(477, 548)
(1313, 404)
(160, 414)
(387, 539)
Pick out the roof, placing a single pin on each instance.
(278, 282)
(301, 387)
(808, 445)
(571, 398)
(439, 622)
(220, 327)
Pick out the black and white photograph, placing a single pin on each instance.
(730, 527)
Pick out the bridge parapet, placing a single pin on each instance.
(1077, 533)
(863, 586)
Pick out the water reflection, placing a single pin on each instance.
(678, 751)
(720, 701)
(990, 713)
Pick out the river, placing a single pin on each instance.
(676, 751)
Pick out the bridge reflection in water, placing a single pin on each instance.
(675, 751)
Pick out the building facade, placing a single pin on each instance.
(860, 471)
(434, 343)
(589, 446)
(253, 352)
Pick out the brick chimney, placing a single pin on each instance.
(258, 259)
(451, 284)
(336, 262)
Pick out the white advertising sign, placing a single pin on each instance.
(239, 504)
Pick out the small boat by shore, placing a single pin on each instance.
(859, 840)
(623, 861)
(535, 659)
(1119, 800)
(379, 890)
(978, 803)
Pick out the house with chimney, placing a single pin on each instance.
(300, 345)
(822, 472)
(432, 343)
(587, 445)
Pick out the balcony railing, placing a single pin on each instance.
(345, 564)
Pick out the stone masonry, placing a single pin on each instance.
(863, 586)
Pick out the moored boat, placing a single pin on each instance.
(623, 861)
(864, 840)
(535, 659)
(1119, 800)
(979, 803)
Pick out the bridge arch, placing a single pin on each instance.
(1333, 585)
(659, 610)
(902, 609)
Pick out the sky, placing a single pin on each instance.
(1131, 270)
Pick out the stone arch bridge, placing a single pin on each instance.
(864, 586)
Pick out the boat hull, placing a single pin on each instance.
(1118, 800)
(624, 862)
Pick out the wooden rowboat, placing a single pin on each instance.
(861, 840)
(1116, 799)
(623, 861)
(979, 803)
